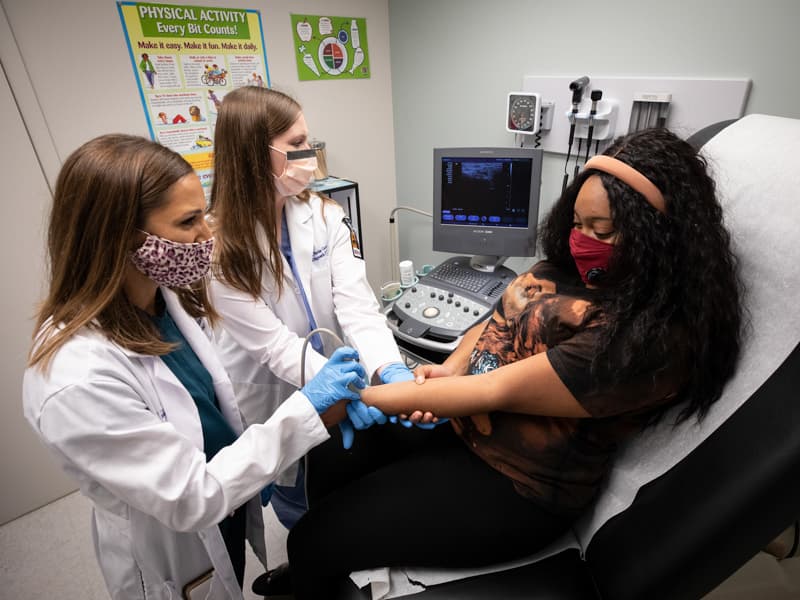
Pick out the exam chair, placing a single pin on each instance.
(738, 486)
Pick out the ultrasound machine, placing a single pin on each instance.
(485, 206)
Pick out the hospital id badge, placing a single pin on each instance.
(200, 588)
(353, 238)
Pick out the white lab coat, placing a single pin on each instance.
(261, 339)
(125, 428)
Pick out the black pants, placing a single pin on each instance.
(408, 497)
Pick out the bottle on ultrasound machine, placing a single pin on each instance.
(486, 205)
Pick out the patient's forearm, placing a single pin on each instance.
(442, 396)
(529, 386)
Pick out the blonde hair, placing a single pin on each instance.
(104, 192)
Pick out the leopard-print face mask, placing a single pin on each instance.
(173, 264)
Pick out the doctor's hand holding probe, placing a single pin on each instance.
(288, 261)
(125, 388)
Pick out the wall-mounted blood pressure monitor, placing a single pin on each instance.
(523, 112)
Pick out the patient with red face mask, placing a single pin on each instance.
(635, 310)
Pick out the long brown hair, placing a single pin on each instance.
(243, 194)
(104, 193)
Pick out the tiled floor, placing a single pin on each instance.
(48, 554)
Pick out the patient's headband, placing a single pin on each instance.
(631, 176)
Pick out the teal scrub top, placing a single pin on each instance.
(217, 433)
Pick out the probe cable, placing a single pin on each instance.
(569, 148)
(305, 346)
(393, 250)
(596, 96)
(303, 383)
(578, 157)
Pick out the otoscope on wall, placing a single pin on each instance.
(577, 88)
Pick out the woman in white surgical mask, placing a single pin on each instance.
(125, 387)
(286, 263)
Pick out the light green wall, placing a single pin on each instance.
(454, 61)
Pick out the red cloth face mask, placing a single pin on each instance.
(591, 256)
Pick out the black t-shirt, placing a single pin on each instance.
(561, 462)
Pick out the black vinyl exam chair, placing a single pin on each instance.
(691, 527)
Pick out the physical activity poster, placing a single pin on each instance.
(185, 59)
(330, 47)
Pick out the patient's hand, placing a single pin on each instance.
(423, 372)
(419, 417)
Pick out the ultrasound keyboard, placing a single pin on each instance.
(446, 302)
(465, 278)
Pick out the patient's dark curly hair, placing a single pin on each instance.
(671, 274)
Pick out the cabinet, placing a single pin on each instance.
(345, 192)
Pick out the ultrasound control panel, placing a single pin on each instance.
(429, 309)
(444, 304)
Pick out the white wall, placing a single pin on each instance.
(27, 471)
(454, 61)
(68, 64)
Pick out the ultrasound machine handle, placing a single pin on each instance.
(445, 348)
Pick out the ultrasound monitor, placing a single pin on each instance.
(486, 203)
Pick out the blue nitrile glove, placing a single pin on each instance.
(360, 416)
(407, 423)
(363, 416)
(348, 434)
(432, 425)
(266, 494)
(339, 379)
(394, 419)
(396, 372)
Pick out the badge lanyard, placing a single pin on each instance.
(286, 249)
